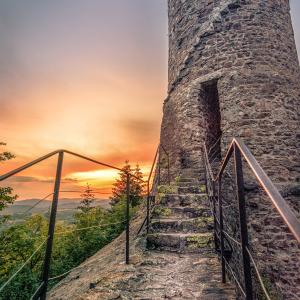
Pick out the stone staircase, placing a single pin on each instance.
(182, 221)
(179, 262)
(182, 225)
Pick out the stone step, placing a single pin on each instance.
(184, 200)
(192, 173)
(191, 185)
(196, 225)
(180, 212)
(180, 242)
(189, 189)
(183, 179)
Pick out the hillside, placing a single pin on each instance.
(66, 208)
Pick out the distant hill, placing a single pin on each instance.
(22, 209)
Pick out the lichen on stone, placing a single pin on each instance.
(160, 211)
(199, 241)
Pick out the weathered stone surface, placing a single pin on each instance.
(186, 266)
(191, 200)
(177, 225)
(151, 275)
(248, 49)
(234, 72)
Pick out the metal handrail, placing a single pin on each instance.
(42, 289)
(150, 190)
(40, 293)
(40, 159)
(281, 205)
(238, 149)
(160, 146)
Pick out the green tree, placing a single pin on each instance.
(93, 228)
(136, 185)
(6, 193)
(18, 243)
(87, 199)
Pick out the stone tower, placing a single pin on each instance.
(234, 72)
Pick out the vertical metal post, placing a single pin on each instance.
(243, 222)
(51, 228)
(169, 177)
(205, 177)
(215, 214)
(127, 218)
(221, 229)
(148, 208)
(159, 162)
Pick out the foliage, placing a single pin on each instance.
(202, 188)
(87, 199)
(136, 185)
(6, 197)
(5, 155)
(177, 179)
(161, 211)
(93, 228)
(18, 243)
(167, 189)
(6, 193)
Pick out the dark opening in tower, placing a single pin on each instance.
(210, 107)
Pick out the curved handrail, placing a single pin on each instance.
(281, 205)
(238, 149)
(150, 190)
(42, 158)
(160, 146)
(42, 289)
(151, 170)
(28, 165)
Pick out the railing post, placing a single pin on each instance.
(215, 214)
(243, 222)
(159, 169)
(148, 208)
(221, 229)
(205, 179)
(127, 218)
(169, 177)
(51, 228)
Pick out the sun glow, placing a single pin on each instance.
(97, 175)
(100, 177)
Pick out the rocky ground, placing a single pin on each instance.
(150, 275)
(175, 261)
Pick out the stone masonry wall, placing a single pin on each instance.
(247, 48)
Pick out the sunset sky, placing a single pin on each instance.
(89, 76)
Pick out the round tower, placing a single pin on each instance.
(234, 72)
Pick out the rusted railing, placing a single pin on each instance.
(239, 150)
(41, 291)
(153, 181)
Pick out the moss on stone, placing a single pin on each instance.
(202, 188)
(203, 221)
(272, 291)
(177, 179)
(199, 241)
(162, 211)
(167, 189)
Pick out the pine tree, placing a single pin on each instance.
(87, 199)
(136, 185)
